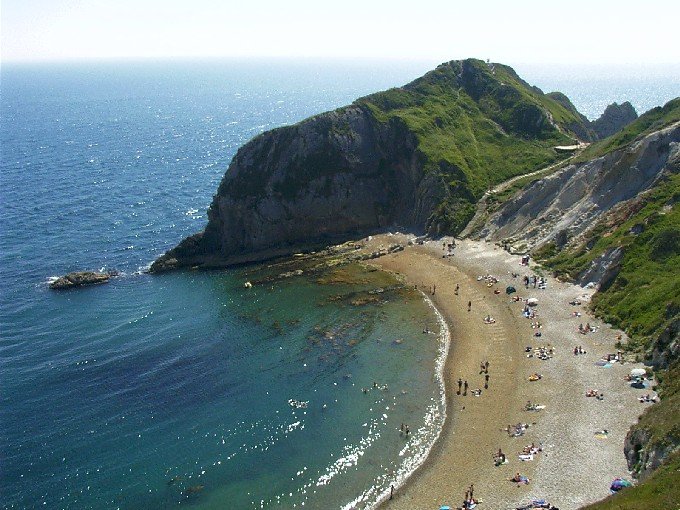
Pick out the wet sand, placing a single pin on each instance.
(575, 466)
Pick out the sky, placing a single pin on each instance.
(574, 31)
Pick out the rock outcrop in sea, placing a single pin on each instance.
(614, 119)
(79, 279)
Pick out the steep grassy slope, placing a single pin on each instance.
(661, 491)
(648, 282)
(477, 125)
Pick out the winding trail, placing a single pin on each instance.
(479, 218)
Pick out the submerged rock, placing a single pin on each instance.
(79, 279)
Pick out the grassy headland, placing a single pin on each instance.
(477, 125)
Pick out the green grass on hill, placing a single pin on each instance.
(661, 491)
(477, 125)
(649, 280)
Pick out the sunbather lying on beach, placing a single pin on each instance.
(648, 398)
(531, 449)
(520, 479)
(538, 503)
(516, 430)
(530, 406)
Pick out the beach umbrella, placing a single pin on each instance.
(532, 301)
(637, 372)
(619, 484)
(509, 290)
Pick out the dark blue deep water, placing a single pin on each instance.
(172, 390)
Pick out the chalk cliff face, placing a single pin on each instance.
(416, 157)
(562, 206)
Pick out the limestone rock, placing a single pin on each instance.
(615, 118)
(79, 279)
(566, 204)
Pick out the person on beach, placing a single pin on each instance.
(460, 383)
(465, 387)
(481, 367)
(434, 289)
(486, 366)
(456, 291)
(469, 305)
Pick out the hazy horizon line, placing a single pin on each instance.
(317, 58)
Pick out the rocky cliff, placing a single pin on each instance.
(418, 156)
(614, 119)
(563, 206)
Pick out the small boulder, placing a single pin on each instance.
(78, 279)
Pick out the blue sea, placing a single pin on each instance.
(173, 390)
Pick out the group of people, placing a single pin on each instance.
(648, 398)
(529, 451)
(536, 281)
(516, 430)
(469, 501)
(594, 393)
(585, 329)
(543, 353)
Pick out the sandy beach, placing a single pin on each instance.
(576, 465)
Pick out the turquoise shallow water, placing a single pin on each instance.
(131, 393)
(146, 386)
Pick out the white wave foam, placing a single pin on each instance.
(424, 438)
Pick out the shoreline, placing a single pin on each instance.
(462, 453)
(442, 360)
